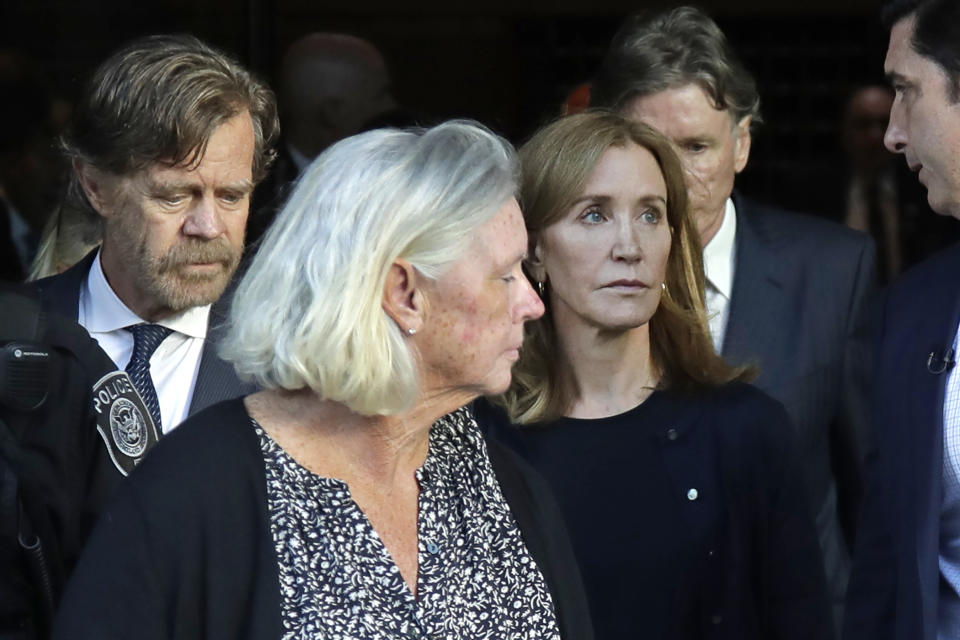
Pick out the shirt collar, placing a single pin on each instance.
(103, 311)
(718, 254)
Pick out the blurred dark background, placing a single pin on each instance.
(507, 64)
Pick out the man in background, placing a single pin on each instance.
(331, 85)
(785, 292)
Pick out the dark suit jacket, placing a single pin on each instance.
(800, 292)
(895, 582)
(216, 379)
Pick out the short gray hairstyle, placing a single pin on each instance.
(653, 53)
(308, 313)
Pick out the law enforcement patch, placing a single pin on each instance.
(123, 420)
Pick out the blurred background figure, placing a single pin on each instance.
(69, 235)
(330, 86)
(30, 170)
(871, 190)
(875, 193)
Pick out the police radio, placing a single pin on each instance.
(24, 367)
(24, 362)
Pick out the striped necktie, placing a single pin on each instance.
(146, 339)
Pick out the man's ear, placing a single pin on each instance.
(403, 296)
(96, 184)
(535, 261)
(741, 143)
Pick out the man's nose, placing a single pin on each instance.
(895, 139)
(204, 220)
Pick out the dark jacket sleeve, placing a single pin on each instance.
(850, 436)
(114, 591)
(795, 582)
(184, 549)
(870, 606)
(788, 575)
(542, 528)
(871, 597)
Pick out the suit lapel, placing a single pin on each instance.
(918, 395)
(216, 379)
(759, 306)
(61, 293)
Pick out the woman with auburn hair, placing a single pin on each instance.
(678, 481)
(354, 497)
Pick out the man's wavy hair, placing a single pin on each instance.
(654, 52)
(158, 100)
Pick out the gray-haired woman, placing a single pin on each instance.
(354, 497)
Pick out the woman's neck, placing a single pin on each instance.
(335, 441)
(611, 371)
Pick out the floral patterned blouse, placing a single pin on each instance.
(476, 579)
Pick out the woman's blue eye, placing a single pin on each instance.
(592, 216)
(651, 216)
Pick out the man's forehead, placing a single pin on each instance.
(900, 47)
(672, 108)
(904, 63)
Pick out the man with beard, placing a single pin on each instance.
(167, 142)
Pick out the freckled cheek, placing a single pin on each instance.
(485, 326)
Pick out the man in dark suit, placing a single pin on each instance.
(906, 575)
(785, 292)
(167, 142)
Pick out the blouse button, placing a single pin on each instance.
(692, 494)
(432, 547)
(671, 434)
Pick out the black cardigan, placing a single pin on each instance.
(185, 550)
(688, 516)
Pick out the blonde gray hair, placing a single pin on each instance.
(308, 313)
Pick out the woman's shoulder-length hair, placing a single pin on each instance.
(308, 313)
(557, 163)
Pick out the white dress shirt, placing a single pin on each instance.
(719, 263)
(175, 363)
